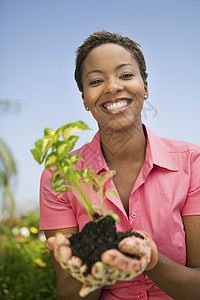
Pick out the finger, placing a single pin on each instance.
(68, 235)
(88, 288)
(76, 261)
(74, 268)
(138, 247)
(127, 275)
(119, 260)
(77, 276)
(60, 240)
(134, 246)
(50, 243)
(99, 270)
(105, 273)
(65, 254)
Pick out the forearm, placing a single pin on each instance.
(68, 289)
(179, 282)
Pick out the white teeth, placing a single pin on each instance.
(118, 105)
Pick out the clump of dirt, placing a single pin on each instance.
(95, 238)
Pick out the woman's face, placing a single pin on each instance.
(113, 88)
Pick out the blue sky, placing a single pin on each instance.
(38, 41)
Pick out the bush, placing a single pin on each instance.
(26, 268)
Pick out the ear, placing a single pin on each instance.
(146, 88)
(82, 96)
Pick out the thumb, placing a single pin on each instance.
(154, 253)
(50, 243)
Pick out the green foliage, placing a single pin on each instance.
(8, 170)
(65, 175)
(26, 268)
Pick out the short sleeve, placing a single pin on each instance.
(55, 211)
(192, 204)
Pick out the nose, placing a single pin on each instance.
(113, 86)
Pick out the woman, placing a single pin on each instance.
(157, 181)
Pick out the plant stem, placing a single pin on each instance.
(101, 199)
(93, 197)
(83, 198)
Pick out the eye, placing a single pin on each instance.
(126, 76)
(96, 82)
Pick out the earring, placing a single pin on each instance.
(86, 108)
(145, 96)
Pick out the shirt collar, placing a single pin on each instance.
(93, 155)
(157, 153)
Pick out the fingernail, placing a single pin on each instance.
(65, 251)
(76, 261)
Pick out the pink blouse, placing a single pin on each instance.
(167, 188)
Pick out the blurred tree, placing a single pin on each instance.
(7, 105)
(8, 168)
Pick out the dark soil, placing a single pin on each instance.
(95, 238)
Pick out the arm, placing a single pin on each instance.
(178, 281)
(67, 286)
(181, 282)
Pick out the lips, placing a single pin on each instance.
(116, 106)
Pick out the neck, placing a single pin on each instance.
(123, 145)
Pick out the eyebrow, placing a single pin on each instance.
(117, 68)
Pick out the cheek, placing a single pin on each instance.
(90, 97)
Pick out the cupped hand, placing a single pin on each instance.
(144, 252)
(60, 244)
(115, 264)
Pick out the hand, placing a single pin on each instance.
(114, 265)
(63, 254)
(144, 250)
(101, 273)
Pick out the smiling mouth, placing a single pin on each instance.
(116, 105)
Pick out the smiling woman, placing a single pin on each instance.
(157, 181)
(113, 86)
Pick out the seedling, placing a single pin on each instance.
(65, 176)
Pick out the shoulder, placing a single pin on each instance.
(176, 146)
(181, 151)
(172, 153)
(184, 154)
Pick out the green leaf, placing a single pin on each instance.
(63, 188)
(86, 180)
(86, 172)
(111, 193)
(65, 147)
(43, 144)
(57, 184)
(49, 131)
(57, 134)
(51, 160)
(36, 156)
(41, 148)
(115, 217)
(74, 158)
(76, 174)
(69, 129)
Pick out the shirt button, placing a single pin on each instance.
(140, 296)
(134, 215)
